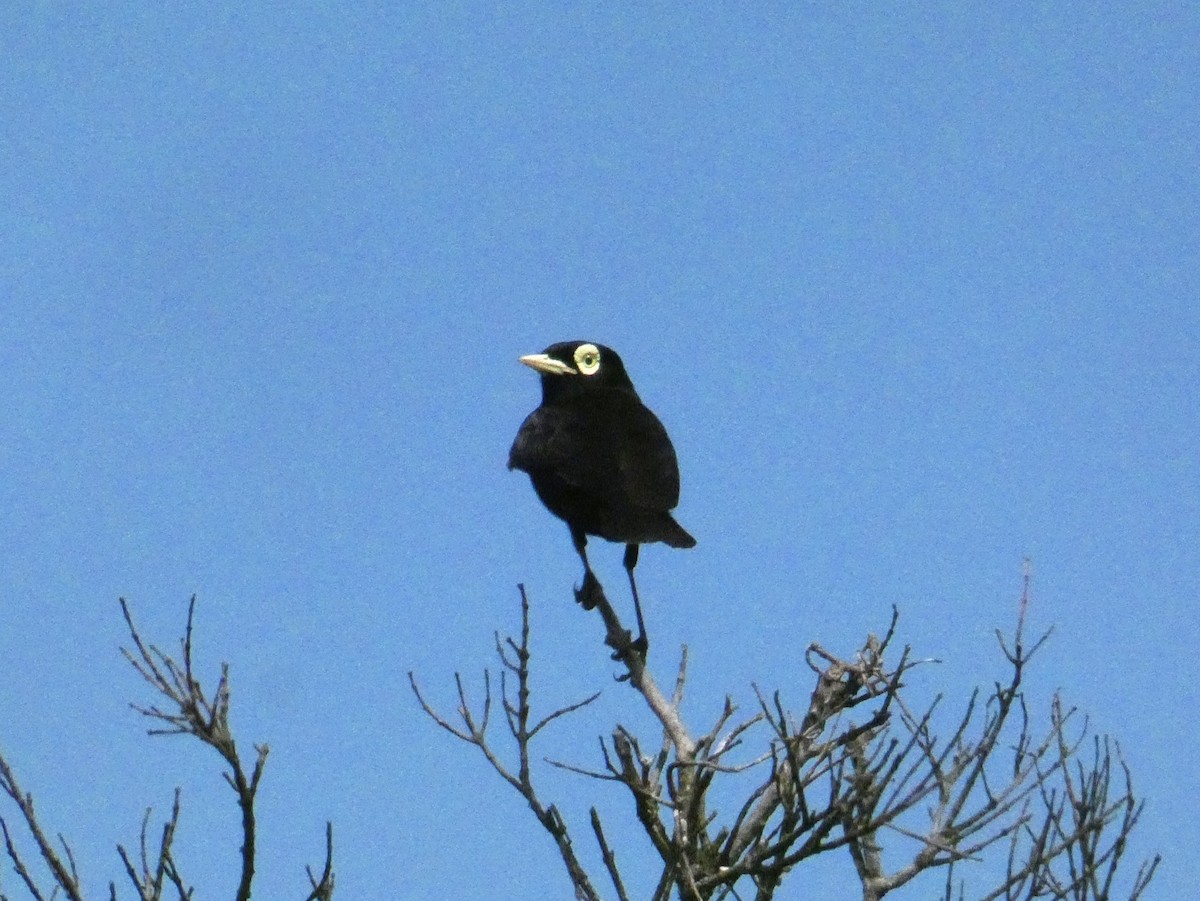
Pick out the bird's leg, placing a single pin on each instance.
(588, 594)
(642, 644)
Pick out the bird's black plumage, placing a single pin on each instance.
(597, 457)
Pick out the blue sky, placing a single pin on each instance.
(915, 291)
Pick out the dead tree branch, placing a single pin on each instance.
(857, 770)
(514, 656)
(63, 874)
(189, 710)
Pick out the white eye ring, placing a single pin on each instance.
(587, 358)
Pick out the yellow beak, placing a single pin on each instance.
(547, 364)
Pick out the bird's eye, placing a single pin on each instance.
(587, 358)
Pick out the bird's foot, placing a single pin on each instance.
(590, 593)
(627, 647)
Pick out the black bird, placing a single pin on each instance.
(598, 459)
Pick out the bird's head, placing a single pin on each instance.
(572, 366)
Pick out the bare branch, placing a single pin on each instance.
(610, 860)
(322, 888)
(64, 875)
(191, 711)
(857, 769)
(515, 657)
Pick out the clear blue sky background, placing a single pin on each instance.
(916, 292)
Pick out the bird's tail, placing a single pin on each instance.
(676, 536)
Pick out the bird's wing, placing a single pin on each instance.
(649, 469)
(570, 443)
(608, 444)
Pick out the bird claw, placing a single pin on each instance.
(628, 646)
(589, 594)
